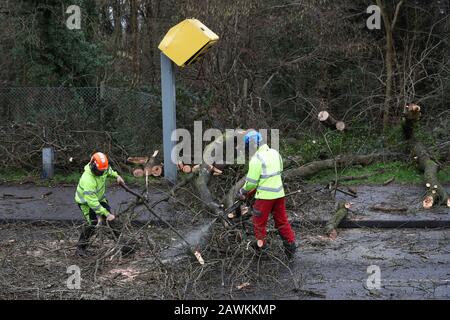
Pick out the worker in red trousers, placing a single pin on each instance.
(264, 175)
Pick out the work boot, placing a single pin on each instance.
(289, 250)
(86, 233)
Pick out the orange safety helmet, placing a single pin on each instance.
(99, 163)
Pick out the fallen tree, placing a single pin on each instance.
(207, 169)
(314, 167)
(202, 178)
(435, 192)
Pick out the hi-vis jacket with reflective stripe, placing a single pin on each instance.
(91, 190)
(264, 174)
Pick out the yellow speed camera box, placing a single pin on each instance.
(187, 41)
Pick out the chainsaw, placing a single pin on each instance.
(236, 206)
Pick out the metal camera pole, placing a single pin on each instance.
(168, 115)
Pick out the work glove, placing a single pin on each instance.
(241, 194)
(110, 217)
(120, 180)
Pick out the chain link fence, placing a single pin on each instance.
(76, 122)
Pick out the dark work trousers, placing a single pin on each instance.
(88, 230)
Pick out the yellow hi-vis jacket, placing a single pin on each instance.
(91, 191)
(264, 174)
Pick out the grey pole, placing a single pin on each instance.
(168, 115)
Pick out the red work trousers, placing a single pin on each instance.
(261, 211)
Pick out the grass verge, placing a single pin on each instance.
(379, 173)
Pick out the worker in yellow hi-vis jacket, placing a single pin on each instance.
(90, 197)
(264, 175)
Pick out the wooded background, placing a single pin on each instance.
(276, 65)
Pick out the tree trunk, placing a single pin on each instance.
(117, 12)
(389, 74)
(436, 193)
(389, 26)
(135, 42)
(314, 167)
(341, 213)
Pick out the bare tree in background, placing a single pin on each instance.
(389, 26)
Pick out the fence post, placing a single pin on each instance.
(48, 163)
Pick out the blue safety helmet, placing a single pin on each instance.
(253, 136)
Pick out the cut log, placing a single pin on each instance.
(199, 257)
(154, 165)
(146, 166)
(411, 115)
(327, 120)
(187, 168)
(215, 171)
(242, 286)
(157, 170)
(138, 173)
(137, 160)
(340, 214)
(435, 192)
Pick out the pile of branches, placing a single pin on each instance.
(161, 267)
(35, 261)
(232, 267)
